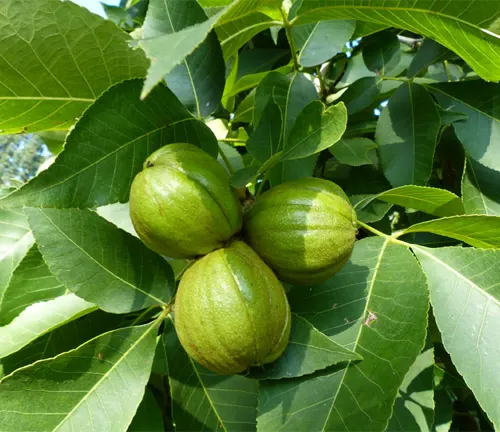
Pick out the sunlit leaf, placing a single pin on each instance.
(108, 146)
(480, 231)
(376, 306)
(468, 32)
(78, 389)
(55, 63)
(31, 283)
(465, 297)
(100, 262)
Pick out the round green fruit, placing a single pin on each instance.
(304, 230)
(231, 312)
(181, 204)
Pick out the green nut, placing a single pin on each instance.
(304, 230)
(231, 312)
(181, 204)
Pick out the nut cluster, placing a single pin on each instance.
(231, 310)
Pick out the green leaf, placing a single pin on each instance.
(434, 201)
(38, 319)
(54, 140)
(381, 52)
(316, 129)
(377, 306)
(471, 35)
(443, 410)
(291, 94)
(480, 231)
(108, 146)
(243, 176)
(184, 42)
(480, 132)
(119, 215)
(407, 132)
(430, 52)
(355, 151)
(234, 34)
(56, 59)
(361, 94)
(480, 192)
(266, 139)
(31, 283)
(63, 338)
(244, 112)
(100, 262)
(198, 80)
(232, 155)
(414, 406)
(465, 297)
(15, 242)
(148, 417)
(203, 400)
(308, 350)
(319, 42)
(253, 61)
(253, 80)
(78, 389)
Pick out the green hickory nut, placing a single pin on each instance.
(304, 230)
(231, 312)
(181, 203)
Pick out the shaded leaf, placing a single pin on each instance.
(480, 191)
(250, 81)
(31, 283)
(377, 306)
(148, 417)
(319, 42)
(232, 155)
(266, 139)
(15, 242)
(471, 35)
(244, 112)
(63, 338)
(443, 411)
(108, 146)
(56, 63)
(291, 94)
(204, 400)
(38, 319)
(480, 231)
(42, 397)
(100, 262)
(407, 132)
(361, 94)
(414, 406)
(355, 151)
(480, 131)
(381, 52)
(308, 351)
(256, 60)
(243, 176)
(198, 80)
(315, 129)
(430, 52)
(465, 297)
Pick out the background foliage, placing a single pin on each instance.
(397, 102)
